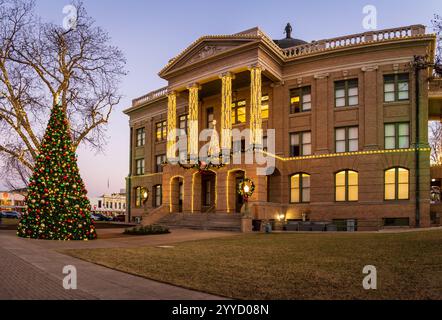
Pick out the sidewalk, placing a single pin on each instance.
(32, 269)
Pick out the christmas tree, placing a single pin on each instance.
(58, 207)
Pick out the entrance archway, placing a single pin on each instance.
(235, 200)
(176, 194)
(274, 191)
(208, 191)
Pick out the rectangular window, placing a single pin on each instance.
(265, 107)
(346, 93)
(161, 131)
(158, 197)
(264, 143)
(140, 167)
(396, 87)
(300, 100)
(239, 112)
(141, 137)
(347, 139)
(160, 160)
(397, 136)
(183, 123)
(300, 144)
(138, 197)
(209, 118)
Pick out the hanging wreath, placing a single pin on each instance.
(246, 188)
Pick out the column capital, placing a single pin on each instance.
(227, 74)
(172, 93)
(256, 66)
(194, 85)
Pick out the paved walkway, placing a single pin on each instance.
(32, 269)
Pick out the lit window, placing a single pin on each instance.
(346, 186)
(347, 139)
(396, 87)
(397, 184)
(140, 167)
(300, 144)
(300, 100)
(397, 136)
(138, 196)
(141, 137)
(239, 112)
(265, 107)
(161, 131)
(300, 188)
(346, 93)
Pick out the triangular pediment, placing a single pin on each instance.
(208, 47)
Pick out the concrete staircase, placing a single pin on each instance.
(203, 221)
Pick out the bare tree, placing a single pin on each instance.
(40, 62)
(437, 27)
(435, 140)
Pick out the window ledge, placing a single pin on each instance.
(396, 103)
(346, 108)
(299, 114)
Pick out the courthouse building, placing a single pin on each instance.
(351, 120)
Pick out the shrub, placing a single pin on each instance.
(145, 230)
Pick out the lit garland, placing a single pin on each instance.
(58, 207)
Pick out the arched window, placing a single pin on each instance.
(397, 184)
(300, 188)
(346, 186)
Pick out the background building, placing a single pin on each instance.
(110, 204)
(350, 114)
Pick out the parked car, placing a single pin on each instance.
(120, 218)
(11, 214)
(100, 217)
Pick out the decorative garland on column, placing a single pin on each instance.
(171, 124)
(255, 106)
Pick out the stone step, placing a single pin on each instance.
(210, 221)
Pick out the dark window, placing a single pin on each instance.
(300, 144)
(159, 161)
(346, 93)
(397, 135)
(396, 222)
(347, 139)
(161, 131)
(141, 137)
(210, 118)
(396, 87)
(183, 122)
(300, 100)
(140, 167)
(158, 196)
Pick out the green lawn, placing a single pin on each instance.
(291, 266)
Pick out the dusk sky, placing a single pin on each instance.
(152, 32)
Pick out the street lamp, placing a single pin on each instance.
(145, 195)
